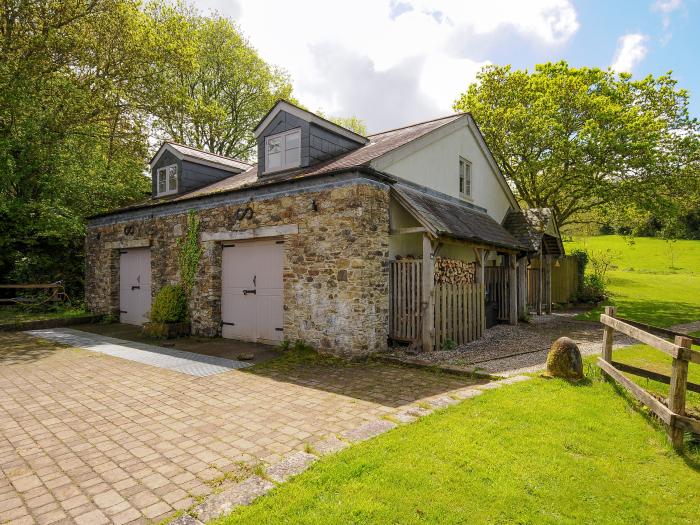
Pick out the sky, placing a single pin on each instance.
(395, 62)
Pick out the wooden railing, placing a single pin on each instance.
(459, 313)
(673, 412)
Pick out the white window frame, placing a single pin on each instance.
(285, 163)
(168, 189)
(466, 179)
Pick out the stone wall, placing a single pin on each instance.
(335, 269)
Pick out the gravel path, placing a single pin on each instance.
(687, 328)
(510, 350)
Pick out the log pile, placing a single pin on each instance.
(451, 271)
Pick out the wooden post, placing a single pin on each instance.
(548, 284)
(539, 284)
(480, 263)
(522, 286)
(608, 336)
(428, 294)
(677, 389)
(512, 290)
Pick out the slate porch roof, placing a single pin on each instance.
(446, 216)
(530, 228)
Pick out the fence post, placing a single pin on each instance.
(677, 389)
(608, 336)
(512, 290)
(428, 293)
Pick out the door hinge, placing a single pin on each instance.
(279, 329)
(229, 324)
(279, 242)
(123, 251)
(123, 312)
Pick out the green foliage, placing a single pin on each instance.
(216, 86)
(189, 253)
(584, 140)
(82, 84)
(592, 289)
(448, 344)
(169, 305)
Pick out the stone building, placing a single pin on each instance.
(300, 246)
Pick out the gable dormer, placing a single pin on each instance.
(290, 137)
(176, 169)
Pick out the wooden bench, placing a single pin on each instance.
(56, 290)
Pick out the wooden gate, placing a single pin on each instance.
(405, 278)
(459, 313)
(459, 308)
(497, 289)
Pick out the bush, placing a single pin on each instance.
(592, 289)
(170, 305)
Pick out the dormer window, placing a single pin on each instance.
(465, 178)
(167, 180)
(283, 151)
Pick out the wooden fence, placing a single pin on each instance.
(673, 412)
(405, 278)
(564, 280)
(459, 308)
(459, 313)
(497, 289)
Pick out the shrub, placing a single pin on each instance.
(170, 305)
(592, 289)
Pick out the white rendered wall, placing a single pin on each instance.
(437, 166)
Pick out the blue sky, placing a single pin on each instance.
(393, 62)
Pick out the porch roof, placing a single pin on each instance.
(536, 228)
(444, 216)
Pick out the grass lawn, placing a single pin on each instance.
(16, 314)
(543, 451)
(644, 285)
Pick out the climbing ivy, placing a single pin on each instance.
(189, 252)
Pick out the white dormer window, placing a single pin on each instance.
(465, 178)
(167, 180)
(283, 151)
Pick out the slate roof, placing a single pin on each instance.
(530, 226)
(210, 157)
(448, 216)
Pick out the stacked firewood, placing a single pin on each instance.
(451, 271)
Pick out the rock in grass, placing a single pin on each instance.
(564, 360)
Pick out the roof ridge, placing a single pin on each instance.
(417, 124)
(207, 152)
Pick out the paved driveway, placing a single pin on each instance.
(90, 438)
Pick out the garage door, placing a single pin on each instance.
(251, 291)
(134, 285)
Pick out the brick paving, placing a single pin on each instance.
(90, 438)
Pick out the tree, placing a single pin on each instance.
(582, 140)
(72, 141)
(213, 87)
(352, 123)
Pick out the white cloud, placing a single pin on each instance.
(631, 49)
(319, 42)
(666, 7)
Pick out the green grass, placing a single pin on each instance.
(544, 451)
(16, 314)
(645, 286)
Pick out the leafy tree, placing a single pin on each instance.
(580, 140)
(352, 123)
(214, 87)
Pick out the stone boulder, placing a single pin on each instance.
(564, 360)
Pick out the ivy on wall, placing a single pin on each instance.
(189, 252)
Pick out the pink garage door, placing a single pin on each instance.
(251, 291)
(134, 285)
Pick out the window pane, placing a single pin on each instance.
(172, 178)
(273, 145)
(161, 181)
(274, 161)
(292, 158)
(293, 140)
(467, 179)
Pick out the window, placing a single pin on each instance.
(465, 178)
(283, 151)
(167, 180)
